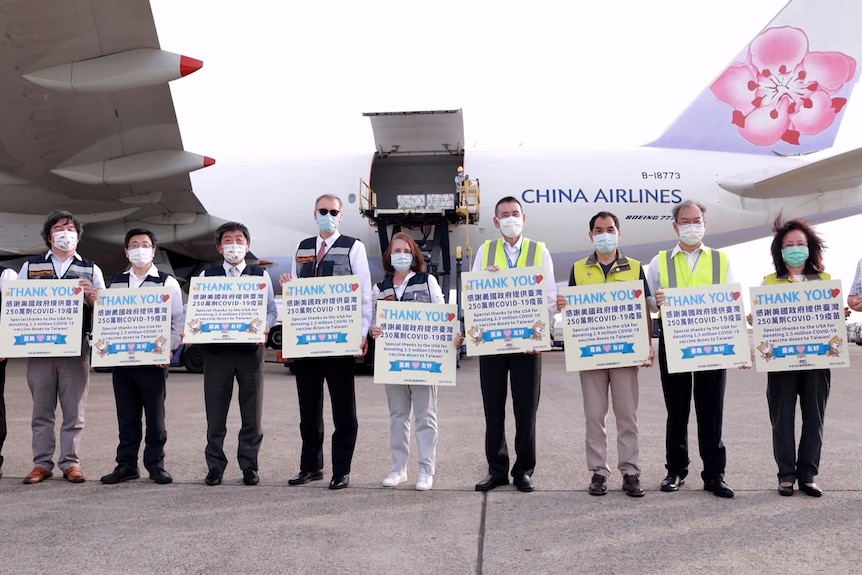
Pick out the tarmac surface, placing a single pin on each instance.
(187, 527)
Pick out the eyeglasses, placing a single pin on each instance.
(324, 211)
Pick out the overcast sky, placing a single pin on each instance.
(290, 78)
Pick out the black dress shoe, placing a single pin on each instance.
(490, 482)
(785, 490)
(339, 481)
(304, 477)
(632, 485)
(598, 484)
(719, 488)
(120, 473)
(250, 476)
(811, 490)
(214, 476)
(672, 483)
(160, 476)
(523, 483)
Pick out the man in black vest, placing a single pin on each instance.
(141, 389)
(329, 254)
(224, 361)
(61, 378)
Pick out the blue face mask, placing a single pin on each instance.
(401, 262)
(605, 243)
(795, 255)
(327, 223)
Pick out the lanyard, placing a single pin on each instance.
(518, 257)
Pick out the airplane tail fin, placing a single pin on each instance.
(785, 93)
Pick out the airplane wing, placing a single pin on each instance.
(87, 124)
(838, 172)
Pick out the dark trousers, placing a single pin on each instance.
(2, 408)
(524, 370)
(708, 387)
(338, 373)
(223, 363)
(137, 391)
(782, 388)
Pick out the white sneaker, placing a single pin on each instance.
(394, 479)
(425, 481)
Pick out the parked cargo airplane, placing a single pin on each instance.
(92, 129)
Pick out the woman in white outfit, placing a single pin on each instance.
(409, 282)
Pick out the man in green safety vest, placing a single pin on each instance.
(690, 263)
(607, 264)
(524, 370)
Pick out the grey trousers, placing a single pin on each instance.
(51, 379)
(421, 400)
(622, 382)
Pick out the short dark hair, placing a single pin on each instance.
(507, 200)
(57, 216)
(231, 227)
(418, 264)
(814, 263)
(687, 204)
(140, 232)
(604, 215)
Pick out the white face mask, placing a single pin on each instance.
(605, 243)
(690, 234)
(140, 256)
(234, 253)
(401, 262)
(65, 240)
(512, 226)
(327, 223)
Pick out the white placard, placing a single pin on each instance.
(505, 311)
(41, 318)
(799, 326)
(132, 326)
(322, 316)
(225, 309)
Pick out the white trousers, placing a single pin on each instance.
(421, 400)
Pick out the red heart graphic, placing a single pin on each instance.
(638, 293)
(78, 290)
(708, 348)
(800, 348)
(166, 297)
(415, 365)
(224, 326)
(40, 337)
(261, 286)
(451, 316)
(539, 278)
(507, 333)
(130, 346)
(606, 347)
(835, 292)
(736, 295)
(321, 336)
(354, 287)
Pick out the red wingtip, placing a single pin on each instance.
(208, 161)
(189, 65)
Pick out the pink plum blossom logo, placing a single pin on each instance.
(784, 91)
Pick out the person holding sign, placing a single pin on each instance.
(329, 254)
(6, 274)
(854, 296)
(244, 361)
(409, 282)
(61, 378)
(524, 370)
(691, 263)
(608, 264)
(141, 389)
(797, 253)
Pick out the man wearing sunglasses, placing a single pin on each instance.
(329, 254)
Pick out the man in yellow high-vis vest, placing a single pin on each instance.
(607, 264)
(690, 263)
(524, 370)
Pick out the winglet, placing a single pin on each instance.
(786, 92)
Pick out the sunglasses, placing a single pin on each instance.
(324, 211)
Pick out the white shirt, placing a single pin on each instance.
(173, 287)
(359, 264)
(271, 309)
(7, 275)
(512, 254)
(654, 273)
(61, 266)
